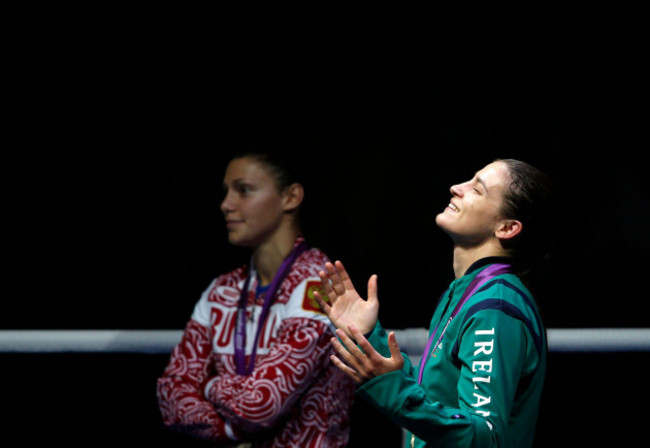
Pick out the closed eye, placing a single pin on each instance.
(481, 187)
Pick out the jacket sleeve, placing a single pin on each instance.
(181, 402)
(258, 401)
(491, 352)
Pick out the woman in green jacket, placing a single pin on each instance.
(480, 379)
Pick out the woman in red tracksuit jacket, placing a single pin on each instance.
(253, 364)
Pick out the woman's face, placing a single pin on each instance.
(473, 213)
(253, 206)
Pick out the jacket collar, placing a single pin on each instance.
(486, 261)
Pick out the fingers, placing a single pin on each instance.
(372, 289)
(348, 350)
(325, 283)
(345, 369)
(363, 361)
(328, 292)
(395, 352)
(331, 281)
(374, 364)
(368, 349)
(338, 277)
(343, 275)
(335, 280)
(322, 303)
(358, 358)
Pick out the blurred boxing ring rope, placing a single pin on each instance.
(411, 340)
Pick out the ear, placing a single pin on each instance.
(292, 197)
(509, 228)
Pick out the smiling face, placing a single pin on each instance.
(473, 215)
(253, 207)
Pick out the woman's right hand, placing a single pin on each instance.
(343, 305)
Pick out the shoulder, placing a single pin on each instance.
(232, 278)
(312, 259)
(307, 266)
(505, 298)
(230, 283)
(224, 290)
(507, 288)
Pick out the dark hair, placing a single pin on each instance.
(528, 199)
(287, 154)
(278, 165)
(290, 158)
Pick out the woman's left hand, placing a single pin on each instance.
(364, 365)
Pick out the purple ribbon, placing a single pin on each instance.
(240, 328)
(482, 277)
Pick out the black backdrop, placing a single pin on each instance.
(123, 125)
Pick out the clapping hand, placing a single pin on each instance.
(353, 318)
(346, 307)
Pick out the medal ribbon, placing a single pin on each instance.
(240, 328)
(482, 277)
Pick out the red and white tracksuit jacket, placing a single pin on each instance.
(295, 396)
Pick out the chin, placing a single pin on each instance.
(445, 227)
(240, 241)
(440, 220)
(236, 240)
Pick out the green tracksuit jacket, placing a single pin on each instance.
(482, 384)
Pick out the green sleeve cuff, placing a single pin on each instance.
(378, 338)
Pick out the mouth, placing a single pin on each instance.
(453, 208)
(232, 223)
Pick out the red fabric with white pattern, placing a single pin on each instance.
(294, 397)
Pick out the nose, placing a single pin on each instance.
(227, 205)
(456, 190)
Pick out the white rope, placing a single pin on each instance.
(100, 341)
(411, 340)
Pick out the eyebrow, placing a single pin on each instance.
(236, 183)
(239, 181)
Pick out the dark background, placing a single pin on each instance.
(122, 124)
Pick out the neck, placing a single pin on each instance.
(268, 257)
(464, 257)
